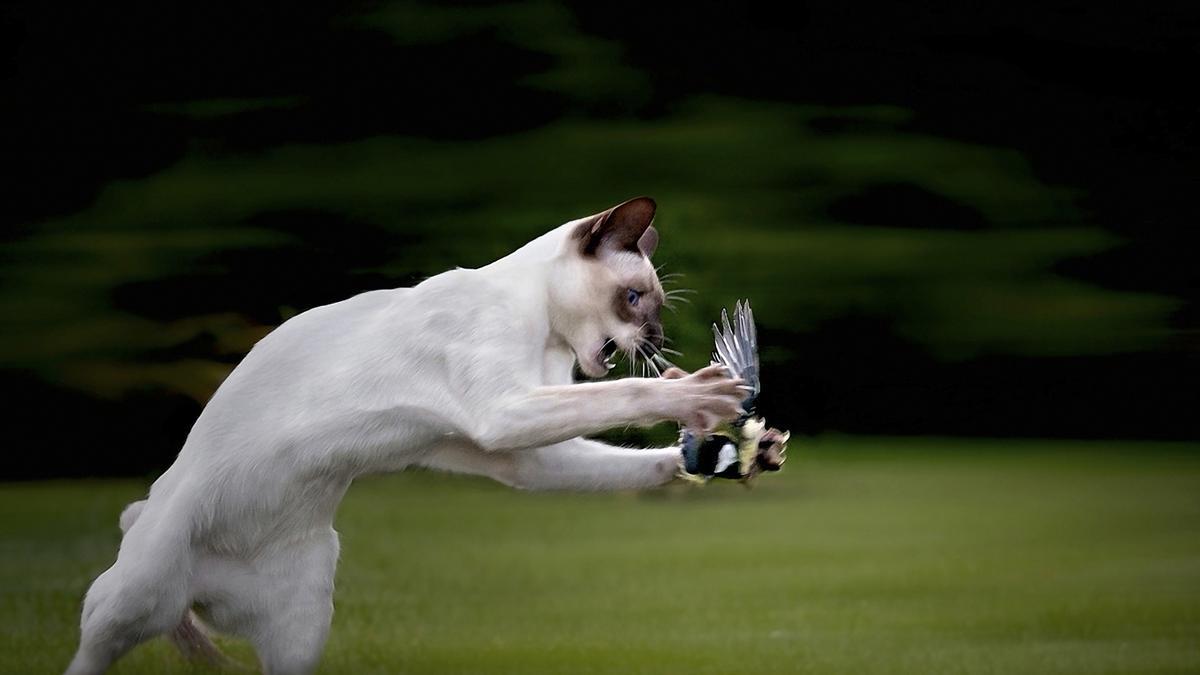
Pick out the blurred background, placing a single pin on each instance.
(958, 221)
(964, 231)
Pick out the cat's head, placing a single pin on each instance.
(605, 293)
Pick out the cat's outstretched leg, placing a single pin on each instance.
(546, 415)
(576, 464)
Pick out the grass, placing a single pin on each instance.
(865, 556)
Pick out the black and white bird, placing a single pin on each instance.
(745, 447)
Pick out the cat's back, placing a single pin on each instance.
(395, 333)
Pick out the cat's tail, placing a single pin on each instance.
(130, 515)
(191, 637)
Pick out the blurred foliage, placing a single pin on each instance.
(580, 66)
(746, 193)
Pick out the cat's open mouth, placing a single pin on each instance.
(601, 361)
(607, 351)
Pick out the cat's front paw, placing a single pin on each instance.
(707, 397)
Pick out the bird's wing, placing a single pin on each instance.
(737, 347)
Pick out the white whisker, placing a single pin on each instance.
(648, 360)
(662, 362)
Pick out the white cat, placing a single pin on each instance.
(469, 371)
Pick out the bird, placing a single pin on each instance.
(745, 447)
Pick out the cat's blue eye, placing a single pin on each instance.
(634, 296)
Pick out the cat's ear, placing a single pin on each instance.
(624, 227)
(648, 242)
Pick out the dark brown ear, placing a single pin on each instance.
(621, 228)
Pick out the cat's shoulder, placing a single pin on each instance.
(461, 288)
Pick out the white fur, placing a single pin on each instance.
(469, 371)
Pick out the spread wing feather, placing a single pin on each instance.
(737, 347)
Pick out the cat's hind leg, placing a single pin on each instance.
(294, 591)
(143, 595)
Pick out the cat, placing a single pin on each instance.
(469, 371)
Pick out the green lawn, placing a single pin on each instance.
(864, 556)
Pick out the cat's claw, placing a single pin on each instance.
(706, 398)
